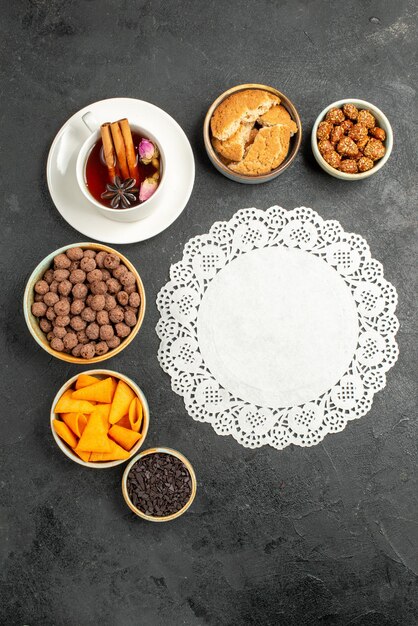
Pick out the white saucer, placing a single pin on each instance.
(75, 208)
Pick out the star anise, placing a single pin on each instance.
(120, 193)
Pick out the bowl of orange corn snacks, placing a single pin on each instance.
(99, 418)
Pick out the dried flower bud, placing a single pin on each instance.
(147, 151)
(148, 187)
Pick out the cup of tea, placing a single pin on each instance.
(95, 182)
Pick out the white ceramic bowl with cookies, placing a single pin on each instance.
(382, 122)
(253, 137)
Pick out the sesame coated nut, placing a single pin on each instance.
(364, 164)
(98, 302)
(358, 132)
(135, 300)
(324, 146)
(88, 264)
(324, 130)
(77, 276)
(64, 287)
(362, 143)
(61, 262)
(94, 275)
(346, 125)
(366, 118)
(98, 287)
(49, 276)
(122, 330)
(39, 309)
(77, 306)
(92, 331)
(78, 323)
(114, 342)
(347, 147)
(374, 149)
(62, 320)
(376, 132)
(62, 307)
(350, 111)
(335, 116)
(57, 344)
(106, 332)
(110, 302)
(101, 348)
(130, 318)
(88, 315)
(332, 158)
(336, 134)
(88, 351)
(41, 287)
(75, 254)
(80, 291)
(116, 315)
(111, 261)
(70, 341)
(102, 317)
(349, 166)
(122, 297)
(113, 285)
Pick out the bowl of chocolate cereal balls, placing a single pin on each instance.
(351, 139)
(84, 303)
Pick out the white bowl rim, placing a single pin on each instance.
(382, 120)
(66, 450)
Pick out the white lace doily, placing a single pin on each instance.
(277, 327)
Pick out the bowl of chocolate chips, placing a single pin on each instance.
(351, 139)
(84, 303)
(159, 484)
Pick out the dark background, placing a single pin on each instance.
(326, 535)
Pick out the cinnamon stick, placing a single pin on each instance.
(120, 150)
(108, 151)
(129, 149)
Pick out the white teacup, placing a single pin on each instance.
(135, 213)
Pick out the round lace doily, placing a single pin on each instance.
(277, 327)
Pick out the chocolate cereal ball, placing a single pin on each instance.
(114, 342)
(62, 320)
(50, 336)
(77, 276)
(70, 341)
(106, 275)
(111, 261)
(110, 302)
(130, 318)
(100, 258)
(77, 306)
(94, 275)
(45, 325)
(106, 332)
(119, 271)
(64, 287)
(88, 351)
(88, 264)
(92, 331)
(88, 315)
(122, 330)
(101, 348)
(89, 254)
(39, 309)
(127, 279)
(98, 287)
(41, 287)
(60, 275)
(82, 337)
(59, 331)
(102, 317)
(51, 298)
(53, 287)
(57, 344)
(61, 262)
(77, 350)
(135, 299)
(98, 302)
(77, 323)
(38, 297)
(49, 276)
(62, 307)
(116, 315)
(113, 285)
(80, 291)
(74, 266)
(130, 288)
(75, 254)
(50, 314)
(123, 298)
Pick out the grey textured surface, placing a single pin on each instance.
(326, 535)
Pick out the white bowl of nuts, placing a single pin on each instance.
(351, 139)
